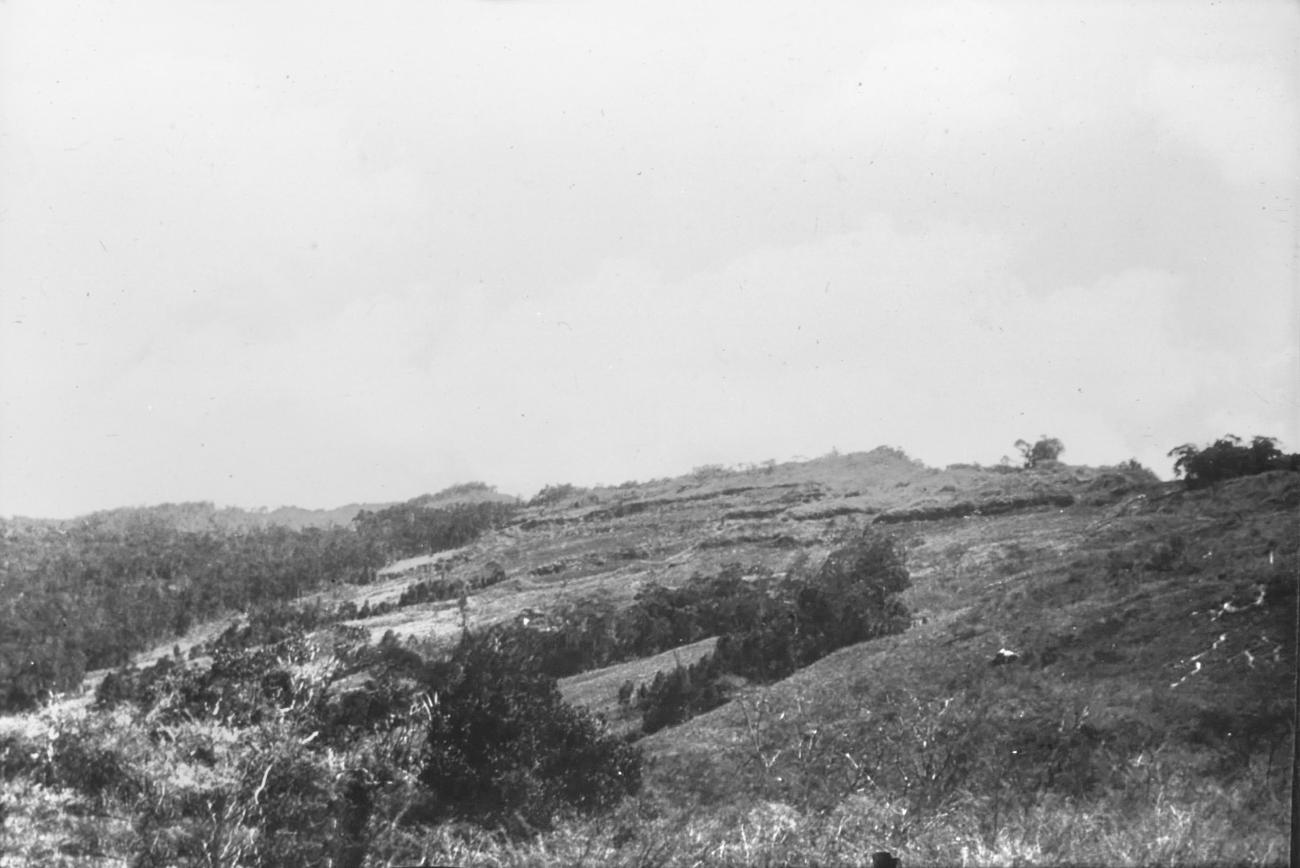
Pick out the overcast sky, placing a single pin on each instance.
(291, 252)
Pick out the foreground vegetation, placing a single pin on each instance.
(271, 754)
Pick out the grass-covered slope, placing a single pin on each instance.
(1099, 670)
(1147, 716)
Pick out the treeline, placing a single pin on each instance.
(593, 634)
(412, 528)
(767, 627)
(446, 588)
(851, 599)
(1228, 458)
(90, 593)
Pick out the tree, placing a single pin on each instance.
(1045, 449)
(1228, 458)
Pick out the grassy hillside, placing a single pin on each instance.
(1155, 642)
(1099, 670)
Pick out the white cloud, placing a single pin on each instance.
(876, 336)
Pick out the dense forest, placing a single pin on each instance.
(89, 593)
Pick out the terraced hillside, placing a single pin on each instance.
(1098, 670)
(609, 542)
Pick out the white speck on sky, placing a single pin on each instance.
(316, 252)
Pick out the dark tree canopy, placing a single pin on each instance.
(1227, 458)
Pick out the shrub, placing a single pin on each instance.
(97, 756)
(266, 799)
(503, 745)
(242, 686)
(873, 561)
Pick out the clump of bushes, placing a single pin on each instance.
(242, 687)
(1042, 450)
(677, 696)
(592, 634)
(1228, 458)
(448, 587)
(852, 598)
(504, 746)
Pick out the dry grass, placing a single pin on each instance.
(1183, 823)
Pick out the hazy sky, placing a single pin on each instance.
(293, 252)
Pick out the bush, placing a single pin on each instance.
(503, 745)
(874, 562)
(243, 686)
(851, 599)
(1228, 458)
(267, 799)
(97, 756)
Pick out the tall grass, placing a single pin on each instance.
(1188, 821)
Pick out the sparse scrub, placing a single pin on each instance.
(552, 495)
(706, 472)
(994, 773)
(458, 491)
